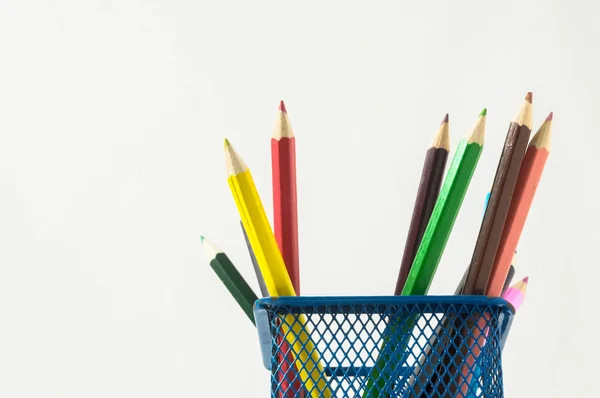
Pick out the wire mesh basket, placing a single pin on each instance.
(412, 346)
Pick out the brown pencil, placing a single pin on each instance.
(505, 180)
(528, 181)
(429, 189)
(490, 232)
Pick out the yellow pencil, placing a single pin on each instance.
(275, 274)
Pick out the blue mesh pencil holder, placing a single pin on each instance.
(398, 346)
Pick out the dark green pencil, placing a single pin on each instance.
(231, 278)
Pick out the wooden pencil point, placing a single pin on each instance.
(521, 285)
(201, 239)
(550, 116)
(442, 137)
(478, 130)
(529, 97)
(283, 127)
(525, 115)
(210, 249)
(483, 112)
(234, 164)
(542, 138)
(445, 120)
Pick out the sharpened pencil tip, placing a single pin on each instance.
(282, 107)
(201, 238)
(227, 143)
(549, 118)
(529, 97)
(483, 112)
(445, 119)
(526, 279)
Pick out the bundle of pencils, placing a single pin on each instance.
(274, 251)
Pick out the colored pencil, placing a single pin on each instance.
(285, 202)
(231, 278)
(445, 211)
(509, 278)
(511, 271)
(261, 281)
(273, 270)
(285, 216)
(286, 371)
(429, 189)
(505, 180)
(516, 293)
(528, 180)
(487, 200)
(487, 242)
(515, 298)
(436, 234)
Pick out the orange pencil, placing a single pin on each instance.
(530, 174)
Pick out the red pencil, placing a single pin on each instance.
(285, 207)
(285, 228)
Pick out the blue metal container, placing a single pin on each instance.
(397, 346)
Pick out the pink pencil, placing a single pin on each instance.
(516, 293)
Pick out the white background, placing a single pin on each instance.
(112, 118)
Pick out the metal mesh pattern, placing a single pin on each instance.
(387, 346)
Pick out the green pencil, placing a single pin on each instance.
(432, 246)
(231, 278)
(445, 211)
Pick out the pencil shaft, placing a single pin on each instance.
(261, 236)
(235, 283)
(285, 206)
(427, 194)
(495, 215)
(528, 181)
(261, 281)
(509, 278)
